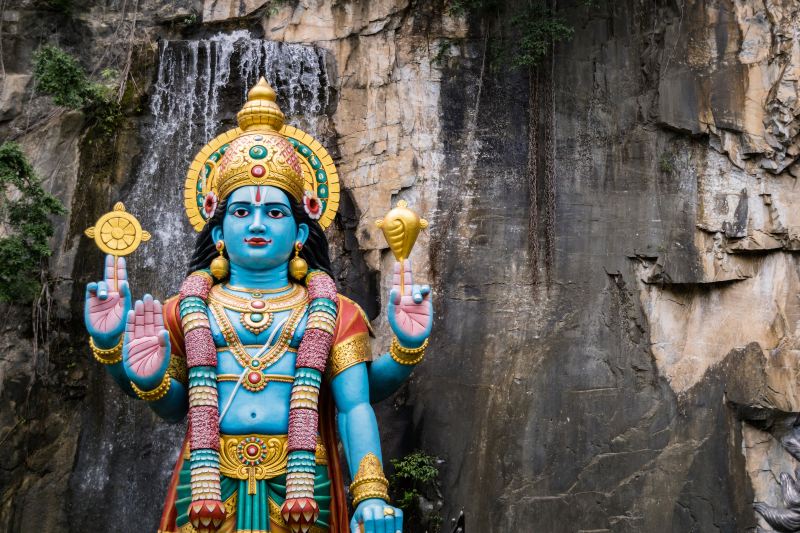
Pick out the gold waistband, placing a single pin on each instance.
(277, 378)
(254, 457)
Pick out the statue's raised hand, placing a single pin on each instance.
(107, 303)
(410, 313)
(146, 350)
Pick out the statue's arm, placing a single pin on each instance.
(358, 430)
(385, 377)
(410, 315)
(146, 357)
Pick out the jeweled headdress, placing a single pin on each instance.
(261, 151)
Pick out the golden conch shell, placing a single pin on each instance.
(400, 227)
(117, 232)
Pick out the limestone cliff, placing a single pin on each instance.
(613, 246)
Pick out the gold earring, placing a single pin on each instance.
(298, 268)
(219, 266)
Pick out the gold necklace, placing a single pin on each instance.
(257, 292)
(257, 313)
(256, 378)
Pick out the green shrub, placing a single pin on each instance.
(416, 475)
(538, 28)
(25, 211)
(530, 33)
(59, 75)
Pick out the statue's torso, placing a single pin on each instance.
(265, 411)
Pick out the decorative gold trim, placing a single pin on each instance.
(277, 378)
(260, 114)
(244, 358)
(369, 481)
(284, 302)
(257, 292)
(407, 356)
(177, 369)
(234, 462)
(155, 394)
(350, 352)
(107, 356)
(309, 174)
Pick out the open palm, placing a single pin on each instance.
(410, 310)
(107, 302)
(146, 350)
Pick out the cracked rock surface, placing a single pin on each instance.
(646, 383)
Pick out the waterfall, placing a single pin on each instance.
(199, 88)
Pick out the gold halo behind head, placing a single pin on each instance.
(261, 151)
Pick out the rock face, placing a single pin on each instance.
(612, 247)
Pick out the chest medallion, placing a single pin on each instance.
(256, 312)
(255, 366)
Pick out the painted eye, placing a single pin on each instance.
(240, 212)
(276, 213)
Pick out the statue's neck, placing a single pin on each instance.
(273, 278)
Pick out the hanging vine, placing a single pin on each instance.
(525, 36)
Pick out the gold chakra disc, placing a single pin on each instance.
(117, 232)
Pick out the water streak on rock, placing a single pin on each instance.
(200, 86)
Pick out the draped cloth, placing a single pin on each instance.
(349, 348)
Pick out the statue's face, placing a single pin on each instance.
(258, 228)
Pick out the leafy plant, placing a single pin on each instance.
(416, 476)
(532, 28)
(539, 27)
(666, 163)
(59, 75)
(25, 211)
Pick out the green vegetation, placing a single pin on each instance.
(25, 211)
(530, 33)
(666, 163)
(59, 75)
(416, 475)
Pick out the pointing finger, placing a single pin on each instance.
(108, 271)
(125, 290)
(408, 278)
(122, 270)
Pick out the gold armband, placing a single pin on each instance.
(369, 481)
(155, 394)
(407, 356)
(110, 356)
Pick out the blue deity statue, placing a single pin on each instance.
(270, 364)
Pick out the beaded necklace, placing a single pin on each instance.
(257, 364)
(257, 313)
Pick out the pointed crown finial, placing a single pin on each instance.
(261, 111)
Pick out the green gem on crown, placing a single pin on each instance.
(258, 152)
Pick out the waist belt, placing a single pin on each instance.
(255, 457)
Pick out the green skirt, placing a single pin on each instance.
(253, 510)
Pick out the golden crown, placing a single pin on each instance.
(261, 151)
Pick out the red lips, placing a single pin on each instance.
(257, 241)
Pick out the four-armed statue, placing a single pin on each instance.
(258, 348)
